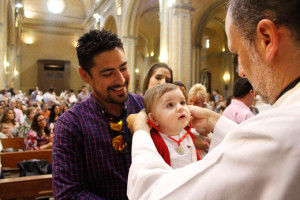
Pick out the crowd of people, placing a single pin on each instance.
(109, 147)
(33, 117)
(19, 111)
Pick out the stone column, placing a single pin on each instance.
(129, 43)
(164, 31)
(196, 65)
(3, 42)
(180, 41)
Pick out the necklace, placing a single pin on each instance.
(178, 149)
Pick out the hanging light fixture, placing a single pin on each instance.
(56, 6)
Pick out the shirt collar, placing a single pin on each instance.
(290, 86)
(286, 94)
(239, 103)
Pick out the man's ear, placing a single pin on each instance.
(153, 119)
(251, 93)
(268, 38)
(84, 75)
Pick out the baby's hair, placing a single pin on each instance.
(156, 92)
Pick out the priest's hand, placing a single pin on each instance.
(138, 121)
(203, 120)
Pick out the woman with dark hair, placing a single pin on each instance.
(8, 117)
(39, 137)
(157, 74)
(54, 114)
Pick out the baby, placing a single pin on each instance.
(169, 117)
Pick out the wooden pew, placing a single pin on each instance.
(27, 187)
(15, 143)
(10, 160)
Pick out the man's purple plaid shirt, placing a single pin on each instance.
(85, 165)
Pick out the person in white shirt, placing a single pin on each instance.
(71, 99)
(84, 94)
(40, 97)
(259, 158)
(63, 97)
(169, 117)
(50, 97)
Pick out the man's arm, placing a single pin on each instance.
(239, 161)
(68, 161)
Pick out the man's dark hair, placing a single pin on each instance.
(51, 89)
(241, 87)
(93, 43)
(247, 13)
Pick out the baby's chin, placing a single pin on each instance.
(184, 126)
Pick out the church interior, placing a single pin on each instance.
(38, 40)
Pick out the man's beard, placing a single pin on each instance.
(120, 99)
(259, 75)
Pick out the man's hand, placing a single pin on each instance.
(138, 122)
(200, 143)
(203, 120)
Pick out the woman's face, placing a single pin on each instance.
(41, 121)
(10, 115)
(161, 75)
(56, 110)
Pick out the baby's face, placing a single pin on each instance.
(170, 112)
(4, 128)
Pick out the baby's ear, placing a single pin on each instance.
(153, 119)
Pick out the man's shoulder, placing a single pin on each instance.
(135, 97)
(135, 103)
(82, 106)
(135, 100)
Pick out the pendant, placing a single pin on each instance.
(179, 150)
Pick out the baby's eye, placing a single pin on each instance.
(170, 105)
(182, 102)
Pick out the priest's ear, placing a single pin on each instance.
(153, 119)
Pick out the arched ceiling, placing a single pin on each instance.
(74, 15)
(149, 25)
